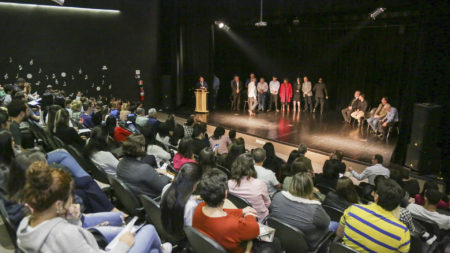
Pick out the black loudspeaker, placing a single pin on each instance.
(422, 153)
(167, 92)
(425, 125)
(424, 161)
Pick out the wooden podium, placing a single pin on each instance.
(201, 100)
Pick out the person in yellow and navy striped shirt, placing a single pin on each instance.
(374, 228)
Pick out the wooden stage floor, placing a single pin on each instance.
(323, 134)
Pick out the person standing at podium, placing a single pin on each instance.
(201, 84)
(236, 87)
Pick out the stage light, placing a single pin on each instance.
(59, 8)
(377, 12)
(222, 25)
(60, 2)
(261, 23)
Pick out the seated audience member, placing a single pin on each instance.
(9, 90)
(118, 133)
(18, 112)
(235, 151)
(153, 148)
(86, 116)
(153, 122)
(178, 134)
(336, 161)
(391, 119)
(272, 162)
(207, 159)
(76, 107)
(232, 135)
(302, 149)
(178, 202)
(68, 103)
(4, 120)
(371, 172)
(123, 115)
(330, 175)
(184, 155)
(189, 127)
(346, 112)
(97, 150)
(141, 119)
(138, 175)
(50, 228)
(297, 166)
(65, 133)
(410, 185)
(267, 176)
(374, 227)
(428, 210)
(344, 196)
(163, 135)
(420, 198)
(7, 156)
(299, 208)
(200, 138)
(286, 168)
(221, 140)
(244, 183)
(231, 228)
(379, 114)
(361, 109)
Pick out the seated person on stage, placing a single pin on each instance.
(201, 84)
(219, 138)
(374, 227)
(379, 114)
(344, 196)
(266, 175)
(420, 198)
(371, 172)
(346, 112)
(262, 91)
(299, 208)
(231, 228)
(136, 173)
(391, 119)
(428, 211)
(243, 182)
(54, 224)
(185, 154)
(361, 109)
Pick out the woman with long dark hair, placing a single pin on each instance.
(344, 196)
(235, 151)
(185, 153)
(97, 150)
(272, 162)
(119, 134)
(207, 159)
(179, 201)
(221, 140)
(6, 156)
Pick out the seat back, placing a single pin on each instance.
(58, 142)
(417, 245)
(86, 163)
(334, 213)
(341, 248)
(153, 215)
(325, 189)
(238, 201)
(292, 240)
(430, 226)
(201, 242)
(225, 170)
(125, 196)
(7, 224)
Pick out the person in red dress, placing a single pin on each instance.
(285, 94)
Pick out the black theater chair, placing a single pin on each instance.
(324, 189)
(126, 197)
(334, 213)
(341, 248)
(238, 201)
(7, 229)
(202, 243)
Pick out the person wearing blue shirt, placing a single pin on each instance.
(391, 119)
(216, 87)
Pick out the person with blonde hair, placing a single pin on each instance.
(76, 110)
(299, 208)
(63, 131)
(123, 116)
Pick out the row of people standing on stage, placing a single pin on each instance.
(379, 119)
(285, 92)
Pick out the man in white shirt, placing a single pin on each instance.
(371, 172)
(274, 86)
(432, 198)
(268, 176)
(262, 90)
(252, 96)
(307, 94)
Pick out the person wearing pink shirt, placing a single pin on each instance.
(185, 153)
(245, 184)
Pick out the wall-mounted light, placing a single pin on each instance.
(59, 8)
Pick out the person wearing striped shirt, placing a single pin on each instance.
(374, 227)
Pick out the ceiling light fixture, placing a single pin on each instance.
(59, 8)
(377, 12)
(222, 25)
(261, 23)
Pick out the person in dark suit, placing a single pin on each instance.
(321, 93)
(361, 109)
(236, 87)
(201, 84)
(347, 111)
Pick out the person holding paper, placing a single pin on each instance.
(51, 226)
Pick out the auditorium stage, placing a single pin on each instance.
(322, 134)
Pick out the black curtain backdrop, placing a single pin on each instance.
(65, 41)
(402, 55)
